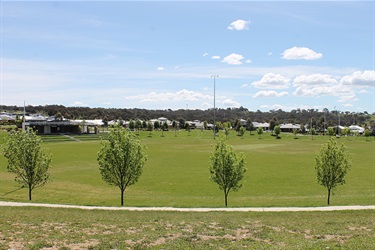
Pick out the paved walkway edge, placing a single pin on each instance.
(235, 209)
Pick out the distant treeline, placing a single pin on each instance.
(296, 116)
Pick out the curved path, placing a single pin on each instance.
(236, 209)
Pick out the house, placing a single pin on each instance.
(288, 127)
(62, 127)
(264, 125)
(356, 129)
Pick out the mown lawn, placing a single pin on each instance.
(280, 172)
(57, 228)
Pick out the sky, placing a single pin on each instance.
(261, 55)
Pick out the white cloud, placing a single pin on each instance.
(348, 98)
(160, 68)
(314, 79)
(182, 95)
(245, 85)
(317, 85)
(79, 104)
(359, 78)
(233, 59)
(301, 53)
(363, 91)
(231, 103)
(215, 57)
(239, 25)
(248, 61)
(205, 54)
(272, 81)
(270, 93)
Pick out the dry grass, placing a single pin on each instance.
(49, 228)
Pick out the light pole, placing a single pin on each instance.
(214, 76)
(338, 127)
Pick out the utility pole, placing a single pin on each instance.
(214, 76)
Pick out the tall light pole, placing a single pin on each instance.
(214, 76)
(338, 127)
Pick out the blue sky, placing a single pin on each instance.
(161, 55)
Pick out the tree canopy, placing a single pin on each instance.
(121, 159)
(27, 159)
(332, 164)
(227, 168)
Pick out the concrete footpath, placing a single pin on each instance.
(223, 209)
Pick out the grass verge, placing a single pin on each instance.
(36, 228)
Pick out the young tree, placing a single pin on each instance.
(331, 131)
(27, 159)
(138, 126)
(277, 131)
(165, 126)
(248, 124)
(156, 125)
(251, 127)
(187, 127)
(150, 127)
(260, 132)
(295, 132)
(205, 124)
(226, 132)
(242, 131)
(238, 127)
(331, 164)
(121, 159)
(367, 134)
(174, 125)
(227, 168)
(144, 124)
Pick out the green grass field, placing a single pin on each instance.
(280, 173)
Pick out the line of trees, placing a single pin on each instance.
(231, 115)
(122, 157)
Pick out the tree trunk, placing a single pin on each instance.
(226, 198)
(122, 197)
(329, 196)
(30, 192)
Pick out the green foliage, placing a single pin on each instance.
(277, 130)
(131, 125)
(238, 126)
(121, 159)
(367, 134)
(227, 168)
(260, 132)
(295, 132)
(331, 164)
(331, 131)
(150, 126)
(156, 125)
(242, 131)
(27, 159)
(226, 132)
(165, 126)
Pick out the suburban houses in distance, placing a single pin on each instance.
(59, 125)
